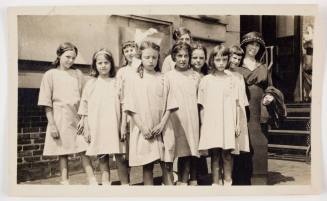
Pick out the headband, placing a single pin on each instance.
(102, 52)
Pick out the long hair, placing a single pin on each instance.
(107, 54)
(219, 50)
(145, 45)
(66, 46)
(198, 46)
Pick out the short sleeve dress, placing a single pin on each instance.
(218, 95)
(145, 97)
(61, 90)
(168, 64)
(123, 75)
(100, 102)
(242, 141)
(183, 87)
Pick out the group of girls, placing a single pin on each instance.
(143, 116)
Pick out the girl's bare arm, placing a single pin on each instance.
(51, 122)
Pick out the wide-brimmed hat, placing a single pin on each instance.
(253, 37)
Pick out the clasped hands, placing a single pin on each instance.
(151, 133)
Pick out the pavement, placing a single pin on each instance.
(280, 172)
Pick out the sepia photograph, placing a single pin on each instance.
(170, 100)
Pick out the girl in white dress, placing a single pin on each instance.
(146, 103)
(60, 94)
(235, 56)
(183, 84)
(199, 65)
(100, 110)
(129, 67)
(242, 148)
(218, 99)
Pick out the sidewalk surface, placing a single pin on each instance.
(281, 172)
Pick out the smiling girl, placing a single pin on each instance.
(60, 94)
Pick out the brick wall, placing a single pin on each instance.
(32, 123)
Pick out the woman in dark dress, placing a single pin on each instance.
(255, 74)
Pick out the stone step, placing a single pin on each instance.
(288, 132)
(299, 118)
(292, 105)
(282, 146)
(293, 123)
(288, 157)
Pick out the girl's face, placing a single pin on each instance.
(185, 38)
(252, 49)
(182, 59)
(129, 53)
(149, 58)
(235, 60)
(220, 62)
(67, 59)
(198, 58)
(103, 65)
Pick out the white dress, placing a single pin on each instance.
(126, 71)
(185, 121)
(61, 90)
(100, 102)
(218, 96)
(145, 97)
(168, 64)
(242, 142)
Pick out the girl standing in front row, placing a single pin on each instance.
(145, 102)
(183, 84)
(100, 110)
(218, 98)
(60, 94)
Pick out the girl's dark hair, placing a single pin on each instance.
(107, 54)
(198, 46)
(67, 46)
(181, 31)
(144, 45)
(220, 50)
(126, 45)
(181, 46)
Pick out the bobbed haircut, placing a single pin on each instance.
(235, 49)
(181, 46)
(125, 45)
(219, 50)
(181, 31)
